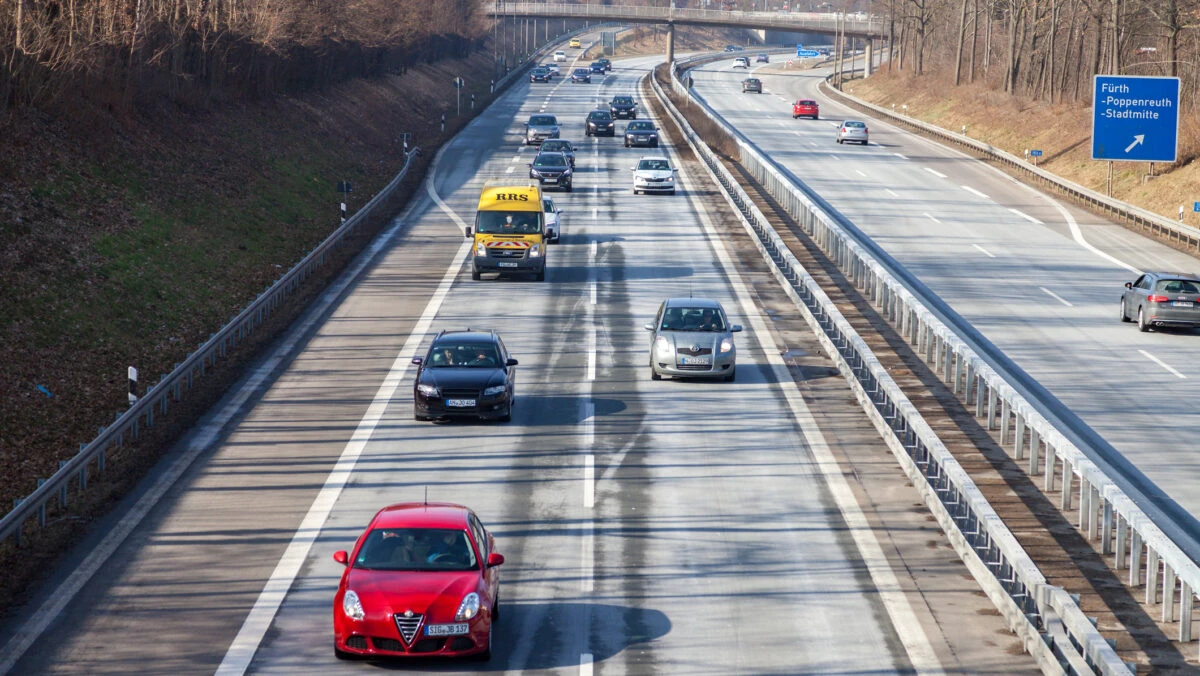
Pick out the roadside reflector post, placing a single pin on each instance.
(133, 378)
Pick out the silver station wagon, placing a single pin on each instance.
(692, 338)
(1162, 299)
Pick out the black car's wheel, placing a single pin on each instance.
(567, 187)
(541, 276)
(654, 144)
(1143, 325)
(507, 417)
(420, 418)
(626, 144)
(815, 117)
(671, 192)
(475, 275)
(731, 377)
(1124, 314)
(633, 116)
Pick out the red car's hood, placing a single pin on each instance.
(436, 594)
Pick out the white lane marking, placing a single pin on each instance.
(900, 156)
(1055, 296)
(931, 217)
(587, 582)
(860, 173)
(594, 248)
(895, 602)
(593, 293)
(30, 631)
(595, 215)
(891, 192)
(516, 158)
(1026, 216)
(934, 172)
(1077, 234)
(589, 481)
(975, 192)
(585, 664)
(241, 652)
(591, 352)
(780, 124)
(987, 253)
(1161, 363)
(509, 170)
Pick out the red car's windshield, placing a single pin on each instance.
(438, 549)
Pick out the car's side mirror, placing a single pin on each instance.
(341, 557)
(529, 164)
(417, 360)
(675, 170)
(467, 231)
(560, 211)
(495, 559)
(736, 328)
(511, 362)
(1128, 285)
(648, 327)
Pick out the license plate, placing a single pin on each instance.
(507, 264)
(446, 629)
(694, 361)
(460, 403)
(1182, 303)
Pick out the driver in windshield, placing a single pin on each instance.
(483, 357)
(708, 320)
(448, 549)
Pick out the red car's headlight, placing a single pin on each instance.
(352, 606)
(468, 608)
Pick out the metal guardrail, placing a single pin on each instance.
(172, 387)
(1144, 220)
(1053, 627)
(809, 22)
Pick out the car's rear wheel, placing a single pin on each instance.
(1143, 326)
(815, 117)
(1124, 312)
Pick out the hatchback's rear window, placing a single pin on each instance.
(1177, 286)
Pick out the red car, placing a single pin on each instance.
(421, 581)
(805, 108)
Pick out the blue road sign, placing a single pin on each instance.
(807, 53)
(1035, 153)
(1196, 206)
(1135, 118)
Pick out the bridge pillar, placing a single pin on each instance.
(670, 42)
(867, 70)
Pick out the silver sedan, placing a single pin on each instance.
(692, 338)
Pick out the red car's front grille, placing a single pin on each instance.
(429, 645)
(357, 642)
(408, 626)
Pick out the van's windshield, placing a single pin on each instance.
(508, 222)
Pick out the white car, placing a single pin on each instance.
(741, 62)
(552, 67)
(560, 56)
(553, 220)
(654, 173)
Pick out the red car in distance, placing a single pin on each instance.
(805, 108)
(421, 581)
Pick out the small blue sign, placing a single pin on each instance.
(1035, 153)
(1196, 206)
(1134, 118)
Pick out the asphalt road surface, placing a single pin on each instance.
(648, 526)
(1039, 278)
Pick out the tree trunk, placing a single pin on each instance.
(962, 37)
(974, 38)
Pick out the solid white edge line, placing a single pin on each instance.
(900, 156)
(1055, 296)
(241, 652)
(1026, 216)
(591, 352)
(904, 621)
(987, 253)
(1161, 363)
(931, 217)
(1077, 235)
(934, 172)
(589, 481)
(891, 192)
(860, 173)
(587, 581)
(975, 192)
(585, 664)
(28, 633)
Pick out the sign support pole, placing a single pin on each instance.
(1110, 172)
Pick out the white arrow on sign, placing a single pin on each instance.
(1137, 141)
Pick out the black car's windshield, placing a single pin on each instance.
(550, 160)
(622, 101)
(416, 549)
(581, 71)
(692, 319)
(654, 165)
(641, 126)
(556, 146)
(599, 115)
(508, 222)
(542, 121)
(464, 355)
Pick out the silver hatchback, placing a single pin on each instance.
(853, 130)
(1162, 299)
(692, 338)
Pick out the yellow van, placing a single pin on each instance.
(575, 43)
(509, 231)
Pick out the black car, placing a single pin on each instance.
(762, 58)
(641, 133)
(600, 123)
(559, 146)
(598, 67)
(539, 75)
(581, 75)
(752, 84)
(623, 106)
(606, 62)
(467, 374)
(551, 169)
(732, 48)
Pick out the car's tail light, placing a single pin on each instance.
(1158, 299)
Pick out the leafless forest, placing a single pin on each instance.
(117, 51)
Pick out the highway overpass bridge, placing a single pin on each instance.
(796, 22)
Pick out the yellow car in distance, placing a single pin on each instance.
(575, 43)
